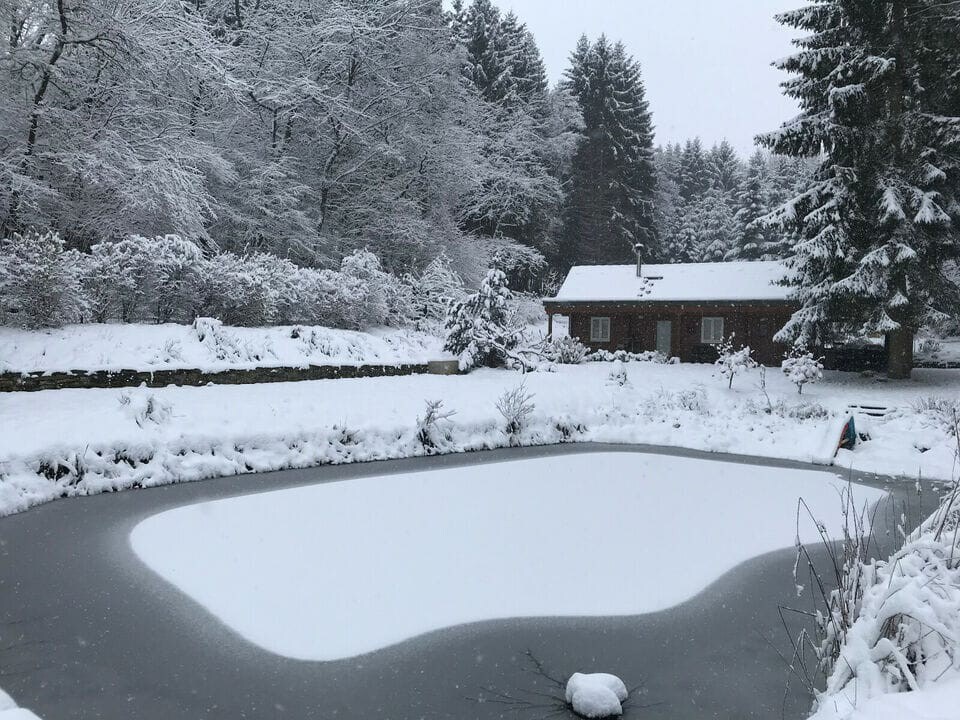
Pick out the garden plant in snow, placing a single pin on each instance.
(730, 362)
(478, 326)
(618, 374)
(428, 426)
(565, 350)
(801, 367)
(516, 406)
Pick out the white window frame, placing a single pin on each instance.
(711, 330)
(599, 329)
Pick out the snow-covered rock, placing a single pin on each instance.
(596, 695)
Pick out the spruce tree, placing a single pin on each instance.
(611, 190)
(752, 204)
(725, 168)
(876, 83)
(695, 177)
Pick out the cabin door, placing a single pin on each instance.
(664, 332)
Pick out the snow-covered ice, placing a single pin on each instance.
(334, 570)
(10, 711)
(596, 695)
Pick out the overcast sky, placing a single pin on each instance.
(706, 63)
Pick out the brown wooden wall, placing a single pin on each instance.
(633, 327)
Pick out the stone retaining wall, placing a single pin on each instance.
(11, 382)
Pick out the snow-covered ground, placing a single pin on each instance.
(68, 442)
(338, 569)
(932, 350)
(170, 346)
(10, 711)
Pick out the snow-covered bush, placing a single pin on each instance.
(894, 624)
(624, 356)
(516, 406)
(380, 296)
(40, 281)
(144, 407)
(565, 350)
(428, 430)
(477, 326)
(730, 362)
(801, 367)
(252, 290)
(939, 411)
(434, 289)
(618, 374)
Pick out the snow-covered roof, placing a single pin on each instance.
(680, 282)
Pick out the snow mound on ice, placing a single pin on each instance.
(596, 695)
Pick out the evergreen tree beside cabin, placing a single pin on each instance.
(610, 196)
(876, 81)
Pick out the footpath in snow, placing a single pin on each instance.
(74, 442)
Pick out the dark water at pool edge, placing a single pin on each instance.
(116, 642)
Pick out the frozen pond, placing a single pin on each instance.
(333, 570)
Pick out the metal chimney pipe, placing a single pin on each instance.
(638, 249)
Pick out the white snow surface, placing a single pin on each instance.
(678, 282)
(596, 695)
(10, 711)
(334, 570)
(938, 701)
(107, 346)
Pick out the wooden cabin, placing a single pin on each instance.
(682, 310)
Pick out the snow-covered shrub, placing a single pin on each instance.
(942, 412)
(618, 374)
(434, 289)
(373, 303)
(428, 431)
(144, 407)
(802, 411)
(693, 400)
(477, 326)
(516, 406)
(222, 345)
(929, 346)
(894, 625)
(646, 356)
(253, 290)
(801, 367)
(174, 263)
(730, 362)
(565, 350)
(40, 281)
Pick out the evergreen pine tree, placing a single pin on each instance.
(694, 173)
(752, 204)
(725, 168)
(613, 179)
(876, 82)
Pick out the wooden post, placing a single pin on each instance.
(549, 324)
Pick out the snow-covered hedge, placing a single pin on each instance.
(170, 279)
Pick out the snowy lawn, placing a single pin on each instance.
(333, 570)
(69, 442)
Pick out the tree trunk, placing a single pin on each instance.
(899, 354)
